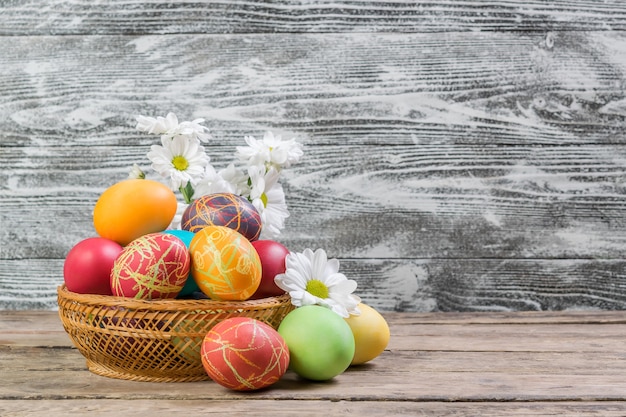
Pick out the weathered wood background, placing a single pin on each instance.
(459, 155)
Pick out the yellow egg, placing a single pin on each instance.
(371, 334)
(133, 208)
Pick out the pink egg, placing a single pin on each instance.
(152, 266)
(88, 265)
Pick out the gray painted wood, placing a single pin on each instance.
(458, 155)
(24, 17)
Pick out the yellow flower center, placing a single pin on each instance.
(264, 199)
(317, 288)
(180, 163)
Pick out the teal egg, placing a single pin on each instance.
(190, 285)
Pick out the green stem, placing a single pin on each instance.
(187, 192)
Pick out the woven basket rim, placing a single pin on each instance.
(168, 304)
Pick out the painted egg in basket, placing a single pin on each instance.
(153, 266)
(223, 209)
(224, 264)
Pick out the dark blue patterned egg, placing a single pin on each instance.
(223, 209)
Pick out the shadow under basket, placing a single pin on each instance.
(155, 340)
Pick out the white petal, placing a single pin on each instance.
(318, 264)
(332, 267)
(171, 121)
(339, 309)
(296, 298)
(309, 299)
(343, 285)
(300, 262)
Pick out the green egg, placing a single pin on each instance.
(321, 344)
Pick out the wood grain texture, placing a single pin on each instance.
(458, 155)
(495, 285)
(525, 364)
(59, 17)
(423, 201)
(363, 89)
(163, 408)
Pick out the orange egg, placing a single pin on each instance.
(133, 208)
(224, 264)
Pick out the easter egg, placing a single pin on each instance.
(244, 354)
(371, 334)
(224, 264)
(321, 344)
(153, 266)
(190, 285)
(272, 255)
(132, 208)
(223, 209)
(88, 265)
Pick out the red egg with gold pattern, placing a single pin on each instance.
(223, 209)
(153, 266)
(244, 354)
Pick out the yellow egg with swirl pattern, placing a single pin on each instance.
(224, 264)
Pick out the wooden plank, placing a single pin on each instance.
(512, 338)
(165, 408)
(552, 332)
(62, 17)
(416, 285)
(585, 317)
(34, 321)
(526, 364)
(381, 381)
(408, 89)
(469, 201)
(605, 360)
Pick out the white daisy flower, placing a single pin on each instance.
(310, 278)
(194, 129)
(236, 177)
(157, 126)
(180, 159)
(269, 152)
(136, 173)
(169, 127)
(268, 197)
(214, 182)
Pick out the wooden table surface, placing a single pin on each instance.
(437, 364)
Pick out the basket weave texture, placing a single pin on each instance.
(155, 340)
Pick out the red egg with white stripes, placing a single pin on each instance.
(153, 266)
(244, 354)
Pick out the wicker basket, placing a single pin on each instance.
(152, 340)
